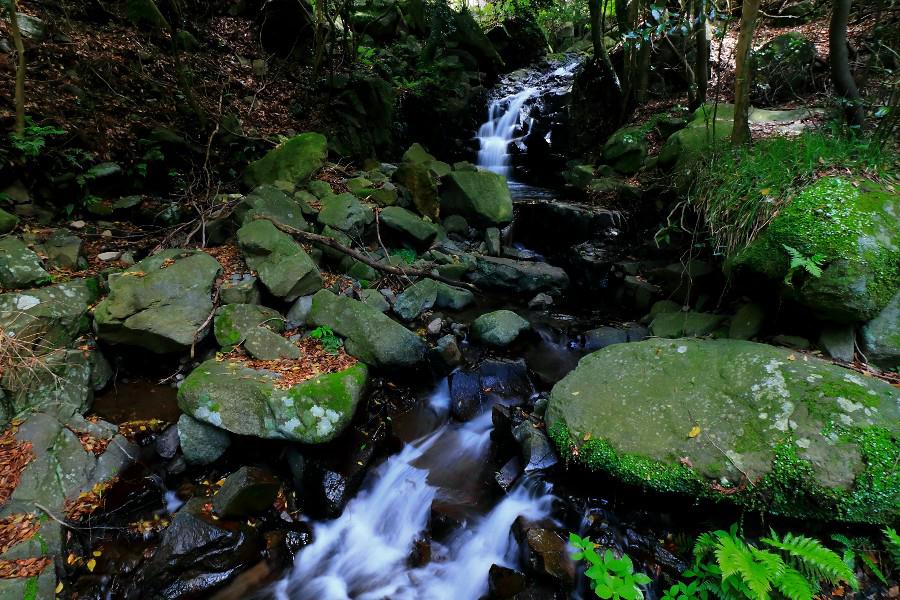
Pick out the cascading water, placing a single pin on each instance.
(363, 555)
(496, 134)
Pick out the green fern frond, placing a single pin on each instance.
(793, 584)
(736, 558)
(813, 558)
(706, 543)
(873, 568)
(893, 545)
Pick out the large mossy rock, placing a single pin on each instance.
(409, 225)
(482, 197)
(498, 328)
(625, 150)
(371, 336)
(427, 293)
(8, 222)
(881, 336)
(245, 401)
(294, 161)
(346, 213)
(269, 202)
(760, 425)
(160, 303)
(418, 179)
(283, 266)
(853, 226)
(19, 266)
(518, 275)
(256, 329)
(783, 67)
(53, 315)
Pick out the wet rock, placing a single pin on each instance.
(164, 309)
(247, 491)
(201, 443)
(331, 480)
(54, 315)
(839, 341)
(19, 266)
(410, 226)
(8, 222)
(758, 403)
(545, 552)
(197, 554)
(283, 266)
(294, 161)
(499, 328)
(240, 291)
(268, 202)
(504, 582)
(168, 442)
(482, 197)
(747, 322)
(427, 293)
(881, 336)
(256, 329)
(64, 251)
(346, 213)
(684, 324)
(371, 336)
(473, 391)
(246, 401)
(517, 276)
(595, 339)
(447, 352)
(508, 474)
(540, 301)
(537, 451)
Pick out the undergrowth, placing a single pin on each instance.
(738, 191)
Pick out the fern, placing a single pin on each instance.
(893, 545)
(793, 584)
(813, 558)
(810, 264)
(854, 549)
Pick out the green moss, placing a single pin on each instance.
(225, 331)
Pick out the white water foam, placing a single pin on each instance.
(496, 134)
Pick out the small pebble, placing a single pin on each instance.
(434, 328)
(106, 233)
(77, 224)
(107, 256)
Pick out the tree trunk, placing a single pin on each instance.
(742, 77)
(701, 67)
(20, 67)
(840, 65)
(596, 9)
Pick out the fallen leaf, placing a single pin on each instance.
(91, 564)
(694, 432)
(59, 587)
(587, 436)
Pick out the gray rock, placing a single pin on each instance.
(414, 228)
(54, 315)
(493, 381)
(282, 265)
(492, 241)
(517, 276)
(839, 341)
(456, 224)
(64, 251)
(161, 303)
(19, 266)
(434, 327)
(246, 492)
(427, 293)
(201, 443)
(747, 322)
(541, 300)
(242, 291)
(375, 299)
(447, 352)
(498, 328)
(269, 202)
(255, 328)
(298, 314)
(881, 336)
(537, 451)
(346, 213)
(481, 196)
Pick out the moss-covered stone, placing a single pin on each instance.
(283, 266)
(8, 222)
(626, 149)
(852, 226)
(256, 329)
(19, 266)
(295, 161)
(53, 315)
(481, 197)
(736, 420)
(246, 401)
(422, 187)
(346, 213)
(684, 324)
(267, 201)
(416, 230)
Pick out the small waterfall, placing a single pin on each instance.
(364, 554)
(495, 134)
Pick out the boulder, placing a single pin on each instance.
(247, 491)
(240, 290)
(684, 324)
(160, 303)
(422, 186)
(256, 329)
(8, 222)
(267, 201)
(783, 68)
(346, 213)
(839, 341)
(747, 322)
(736, 420)
(19, 266)
(246, 401)
(427, 293)
(416, 230)
(201, 443)
(852, 227)
(371, 336)
(64, 251)
(625, 150)
(294, 161)
(520, 276)
(283, 266)
(474, 390)
(54, 315)
(881, 336)
(482, 197)
(498, 328)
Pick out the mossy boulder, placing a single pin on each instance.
(853, 227)
(415, 229)
(53, 315)
(245, 401)
(427, 293)
(346, 213)
(520, 276)
(294, 161)
(256, 329)
(498, 328)
(268, 202)
(8, 222)
(736, 420)
(19, 266)
(684, 324)
(160, 303)
(283, 266)
(881, 336)
(422, 187)
(371, 336)
(482, 197)
(625, 150)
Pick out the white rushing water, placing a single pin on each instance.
(364, 554)
(496, 134)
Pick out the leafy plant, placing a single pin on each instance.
(792, 566)
(610, 577)
(854, 549)
(33, 139)
(408, 256)
(330, 342)
(810, 264)
(893, 545)
(366, 56)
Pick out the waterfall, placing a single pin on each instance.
(495, 134)
(364, 554)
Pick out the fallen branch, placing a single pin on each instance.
(315, 238)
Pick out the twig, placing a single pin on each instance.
(315, 238)
(205, 324)
(67, 525)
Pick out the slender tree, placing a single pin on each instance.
(20, 66)
(742, 74)
(840, 65)
(701, 66)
